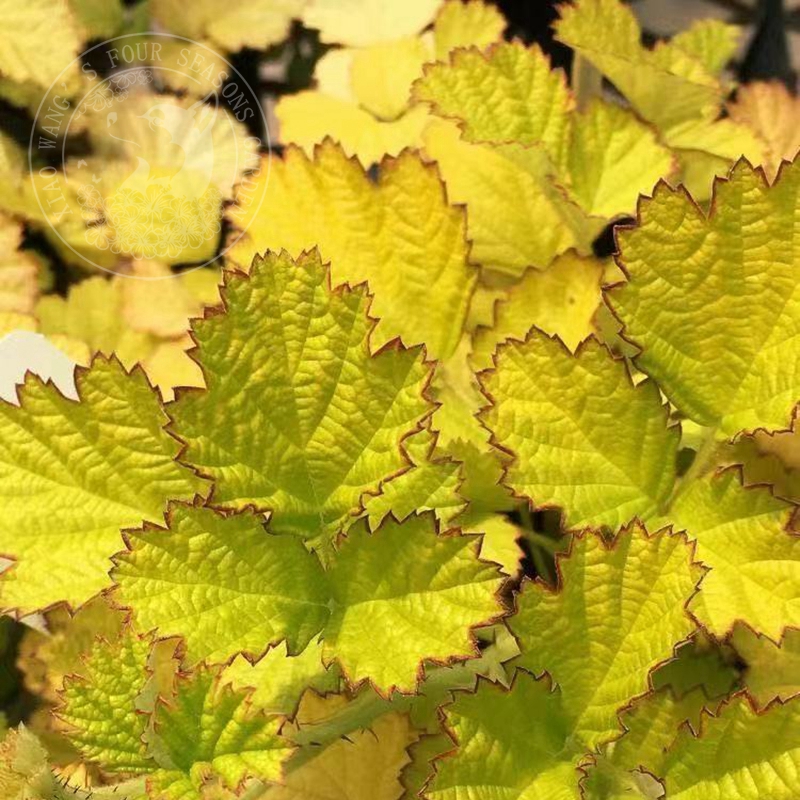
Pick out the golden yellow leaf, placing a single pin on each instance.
(561, 299)
(362, 94)
(398, 234)
(365, 22)
(308, 118)
(460, 24)
(773, 114)
(364, 766)
(242, 23)
(519, 179)
(382, 74)
(19, 271)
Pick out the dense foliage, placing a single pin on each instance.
(423, 495)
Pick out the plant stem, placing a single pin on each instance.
(587, 82)
(705, 457)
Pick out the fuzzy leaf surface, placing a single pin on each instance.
(561, 300)
(518, 178)
(598, 637)
(398, 233)
(693, 278)
(739, 755)
(298, 417)
(744, 536)
(279, 679)
(583, 437)
(404, 594)
(223, 583)
(507, 93)
(620, 611)
(102, 721)
(613, 158)
(210, 730)
(626, 766)
(95, 466)
(227, 586)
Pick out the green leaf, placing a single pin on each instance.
(432, 484)
(227, 586)
(96, 466)
(211, 731)
(561, 300)
(512, 744)
(398, 233)
(528, 102)
(25, 774)
(684, 303)
(619, 613)
(99, 705)
(739, 755)
(667, 86)
(744, 536)
(223, 583)
(700, 663)
(613, 158)
(418, 596)
(419, 771)
(582, 436)
(462, 492)
(772, 669)
(769, 457)
(279, 679)
(624, 768)
(621, 610)
(712, 42)
(520, 179)
(298, 417)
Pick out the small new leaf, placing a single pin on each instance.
(211, 731)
